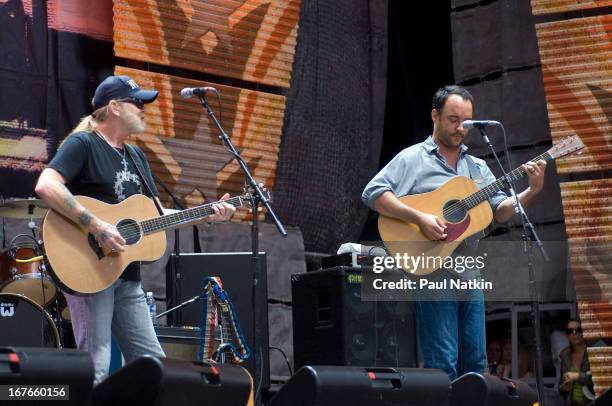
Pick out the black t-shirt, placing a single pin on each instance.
(94, 168)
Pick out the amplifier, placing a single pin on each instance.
(252, 312)
(179, 342)
(332, 325)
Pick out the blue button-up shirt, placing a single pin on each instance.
(421, 168)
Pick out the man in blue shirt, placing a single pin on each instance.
(451, 333)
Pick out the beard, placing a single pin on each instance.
(135, 124)
(451, 140)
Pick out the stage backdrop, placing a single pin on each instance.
(575, 41)
(237, 46)
(53, 54)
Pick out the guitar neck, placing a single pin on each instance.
(483, 194)
(182, 217)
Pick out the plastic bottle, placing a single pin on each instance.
(152, 306)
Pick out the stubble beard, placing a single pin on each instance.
(449, 140)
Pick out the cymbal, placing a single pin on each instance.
(23, 208)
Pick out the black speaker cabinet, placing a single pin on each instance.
(234, 270)
(474, 389)
(167, 382)
(357, 386)
(333, 326)
(20, 366)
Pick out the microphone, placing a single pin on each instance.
(479, 123)
(189, 92)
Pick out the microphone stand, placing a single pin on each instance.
(185, 303)
(175, 266)
(257, 196)
(529, 233)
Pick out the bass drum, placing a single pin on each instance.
(24, 323)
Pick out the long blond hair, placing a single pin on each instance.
(90, 123)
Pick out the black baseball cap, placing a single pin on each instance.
(120, 87)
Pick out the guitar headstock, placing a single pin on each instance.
(566, 146)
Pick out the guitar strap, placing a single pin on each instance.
(475, 176)
(139, 168)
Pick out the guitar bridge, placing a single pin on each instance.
(95, 247)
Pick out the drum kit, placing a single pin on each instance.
(33, 311)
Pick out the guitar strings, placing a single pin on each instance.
(470, 201)
(492, 188)
(467, 203)
(159, 221)
(461, 205)
(173, 219)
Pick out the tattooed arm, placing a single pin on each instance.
(51, 187)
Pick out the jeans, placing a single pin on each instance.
(120, 310)
(452, 334)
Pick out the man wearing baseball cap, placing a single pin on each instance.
(95, 161)
(118, 88)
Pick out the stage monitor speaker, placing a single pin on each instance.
(333, 326)
(21, 366)
(362, 386)
(234, 270)
(166, 382)
(474, 389)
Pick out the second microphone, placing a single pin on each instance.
(189, 92)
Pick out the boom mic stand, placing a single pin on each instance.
(257, 196)
(185, 303)
(529, 233)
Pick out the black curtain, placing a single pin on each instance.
(333, 123)
(420, 62)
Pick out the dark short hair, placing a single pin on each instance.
(439, 99)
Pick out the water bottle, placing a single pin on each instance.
(152, 306)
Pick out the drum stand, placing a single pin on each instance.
(57, 314)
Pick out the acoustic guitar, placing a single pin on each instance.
(461, 205)
(80, 265)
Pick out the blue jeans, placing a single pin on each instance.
(120, 310)
(452, 335)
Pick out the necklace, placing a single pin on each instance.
(122, 157)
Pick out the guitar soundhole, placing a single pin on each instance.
(129, 230)
(454, 211)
